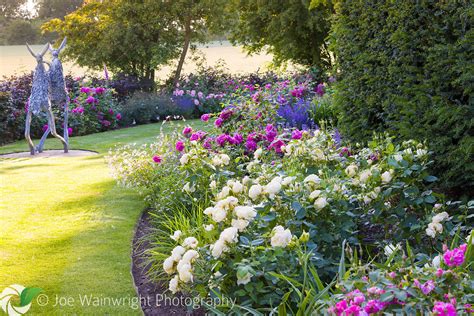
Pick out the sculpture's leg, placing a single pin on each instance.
(40, 146)
(52, 125)
(27, 133)
(66, 117)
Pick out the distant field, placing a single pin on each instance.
(16, 60)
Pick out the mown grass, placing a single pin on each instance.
(67, 228)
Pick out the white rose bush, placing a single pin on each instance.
(274, 216)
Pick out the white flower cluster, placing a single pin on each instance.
(281, 237)
(220, 160)
(180, 261)
(435, 226)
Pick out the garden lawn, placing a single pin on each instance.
(67, 228)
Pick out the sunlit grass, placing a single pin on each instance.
(66, 227)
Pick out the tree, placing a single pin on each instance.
(48, 9)
(19, 32)
(133, 37)
(196, 20)
(11, 8)
(291, 30)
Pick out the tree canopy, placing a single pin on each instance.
(292, 30)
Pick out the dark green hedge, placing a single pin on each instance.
(407, 67)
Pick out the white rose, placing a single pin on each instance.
(176, 235)
(190, 242)
(437, 227)
(216, 161)
(312, 178)
(258, 153)
(430, 232)
(240, 224)
(185, 274)
(246, 180)
(229, 235)
(421, 152)
(173, 286)
(224, 193)
(218, 215)
(245, 212)
(184, 159)
(386, 177)
(213, 184)
(288, 180)
(273, 187)
(281, 237)
(469, 236)
(209, 211)
(255, 191)
(188, 188)
(436, 261)
(225, 159)
(177, 252)
(190, 255)
(237, 187)
(398, 157)
(168, 265)
(218, 248)
(351, 170)
(320, 203)
(245, 279)
(365, 175)
(438, 218)
(314, 194)
(367, 199)
(209, 227)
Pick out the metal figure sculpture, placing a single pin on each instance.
(39, 100)
(57, 92)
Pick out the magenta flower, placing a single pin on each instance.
(197, 136)
(69, 131)
(297, 92)
(205, 117)
(320, 89)
(90, 99)
(276, 145)
(237, 139)
(352, 310)
(439, 272)
(100, 90)
(268, 86)
(218, 122)
(226, 114)
(340, 307)
(187, 130)
(392, 275)
(86, 90)
(45, 127)
(196, 102)
(455, 257)
(207, 143)
(345, 152)
(179, 146)
(374, 306)
(251, 145)
(111, 111)
(157, 159)
(222, 139)
(425, 288)
(105, 123)
(118, 116)
(271, 133)
(444, 309)
(296, 134)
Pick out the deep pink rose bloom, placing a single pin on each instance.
(226, 114)
(340, 307)
(179, 146)
(218, 122)
(157, 159)
(268, 86)
(256, 97)
(296, 134)
(352, 310)
(222, 139)
(111, 111)
(45, 127)
(105, 123)
(439, 272)
(195, 136)
(99, 90)
(320, 89)
(297, 92)
(207, 143)
(345, 152)
(205, 117)
(251, 145)
(392, 275)
(69, 131)
(271, 133)
(237, 139)
(86, 90)
(90, 99)
(373, 306)
(276, 145)
(455, 257)
(187, 130)
(118, 116)
(444, 309)
(425, 288)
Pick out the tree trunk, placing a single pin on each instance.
(187, 40)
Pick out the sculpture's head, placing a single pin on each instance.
(55, 52)
(38, 57)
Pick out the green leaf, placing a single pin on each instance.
(28, 294)
(430, 179)
(342, 264)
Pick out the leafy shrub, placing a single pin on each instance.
(406, 67)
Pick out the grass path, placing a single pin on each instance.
(67, 228)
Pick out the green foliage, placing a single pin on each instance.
(19, 32)
(127, 36)
(406, 67)
(57, 8)
(290, 30)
